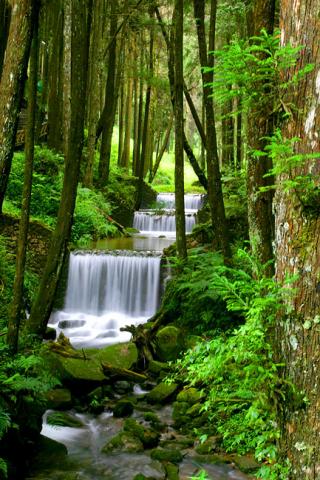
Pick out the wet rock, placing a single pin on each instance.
(122, 387)
(124, 408)
(59, 398)
(246, 463)
(172, 471)
(71, 323)
(148, 437)
(162, 393)
(190, 396)
(179, 414)
(209, 446)
(123, 442)
(178, 443)
(154, 421)
(169, 343)
(156, 367)
(50, 334)
(164, 455)
(49, 452)
(63, 419)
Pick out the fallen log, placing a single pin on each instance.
(122, 373)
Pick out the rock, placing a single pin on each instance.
(195, 410)
(169, 343)
(163, 455)
(63, 419)
(172, 471)
(148, 437)
(209, 446)
(123, 408)
(123, 442)
(50, 334)
(162, 393)
(122, 387)
(49, 452)
(71, 323)
(245, 463)
(190, 396)
(179, 414)
(58, 398)
(156, 367)
(178, 443)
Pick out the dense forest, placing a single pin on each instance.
(159, 226)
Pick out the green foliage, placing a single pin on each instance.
(90, 216)
(6, 281)
(290, 169)
(190, 298)
(252, 71)
(3, 468)
(237, 370)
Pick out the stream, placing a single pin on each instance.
(118, 283)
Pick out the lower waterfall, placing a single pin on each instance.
(106, 291)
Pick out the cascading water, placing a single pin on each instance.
(106, 292)
(162, 221)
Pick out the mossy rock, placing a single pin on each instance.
(123, 408)
(164, 455)
(180, 443)
(63, 419)
(190, 396)
(209, 446)
(148, 437)
(123, 442)
(162, 393)
(49, 452)
(179, 414)
(172, 471)
(84, 367)
(169, 343)
(246, 463)
(58, 398)
(154, 421)
(156, 367)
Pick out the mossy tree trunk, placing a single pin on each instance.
(5, 14)
(42, 305)
(16, 305)
(261, 224)
(297, 226)
(12, 83)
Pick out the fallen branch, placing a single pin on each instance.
(118, 372)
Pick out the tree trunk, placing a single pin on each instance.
(298, 253)
(16, 305)
(95, 53)
(125, 159)
(55, 80)
(5, 14)
(140, 116)
(218, 218)
(261, 225)
(192, 159)
(162, 149)
(42, 305)
(178, 115)
(12, 84)
(66, 74)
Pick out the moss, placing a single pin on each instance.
(124, 408)
(63, 419)
(163, 455)
(123, 442)
(162, 393)
(58, 398)
(172, 471)
(190, 396)
(148, 437)
(169, 343)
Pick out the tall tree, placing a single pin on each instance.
(218, 217)
(42, 305)
(5, 13)
(259, 127)
(297, 225)
(12, 83)
(178, 113)
(16, 306)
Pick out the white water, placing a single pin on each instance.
(106, 292)
(191, 201)
(150, 221)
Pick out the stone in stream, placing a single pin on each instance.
(148, 436)
(162, 393)
(123, 442)
(123, 408)
(58, 398)
(169, 343)
(64, 419)
(164, 455)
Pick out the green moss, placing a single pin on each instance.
(123, 442)
(162, 393)
(169, 343)
(163, 455)
(190, 396)
(63, 419)
(123, 408)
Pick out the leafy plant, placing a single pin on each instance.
(237, 370)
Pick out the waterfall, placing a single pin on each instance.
(106, 292)
(151, 221)
(191, 201)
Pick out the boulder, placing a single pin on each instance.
(172, 471)
(123, 408)
(123, 442)
(148, 437)
(190, 396)
(162, 393)
(64, 419)
(164, 455)
(169, 343)
(58, 398)
(210, 445)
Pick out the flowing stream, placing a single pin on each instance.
(108, 288)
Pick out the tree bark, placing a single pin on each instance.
(218, 217)
(42, 305)
(261, 224)
(67, 20)
(12, 84)
(297, 227)
(5, 14)
(162, 149)
(178, 115)
(16, 305)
